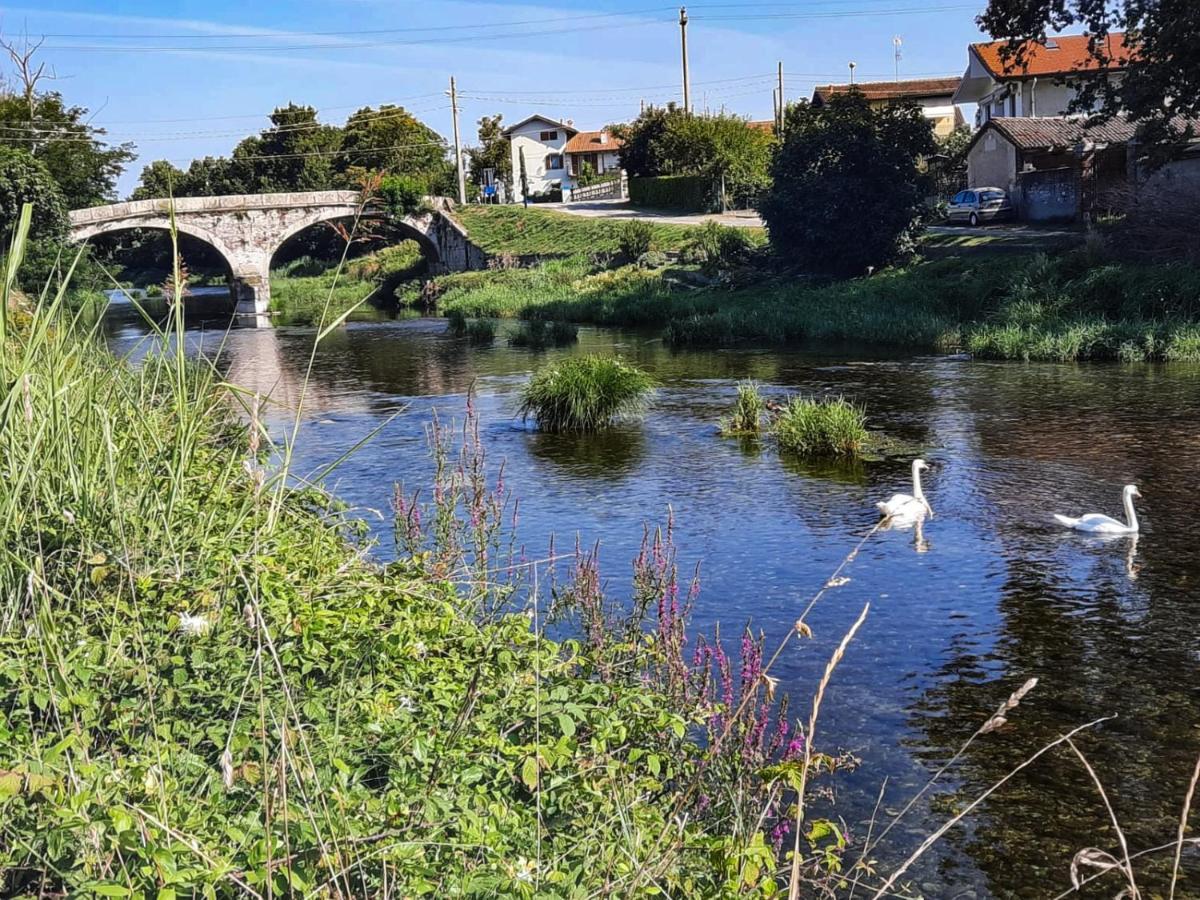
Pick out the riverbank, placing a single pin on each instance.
(211, 689)
(1077, 304)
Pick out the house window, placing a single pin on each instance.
(548, 136)
(554, 161)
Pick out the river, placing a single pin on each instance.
(991, 593)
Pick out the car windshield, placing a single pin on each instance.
(992, 195)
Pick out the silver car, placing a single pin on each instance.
(982, 204)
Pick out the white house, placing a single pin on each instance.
(555, 154)
(933, 95)
(1043, 85)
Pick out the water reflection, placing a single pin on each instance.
(965, 606)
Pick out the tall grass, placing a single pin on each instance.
(746, 417)
(538, 334)
(821, 427)
(585, 393)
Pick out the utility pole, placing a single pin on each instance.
(853, 66)
(683, 20)
(896, 42)
(782, 102)
(458, 160)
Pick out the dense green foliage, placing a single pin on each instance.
(691, 193)
(299, 153)
(717, 247)
(25, 179)
(83, 165)
(846, 193)
(720, 150)
(538, 334)
(493, 151)
(585, 393)
(306, 290)
(821, 427)
(635, 238)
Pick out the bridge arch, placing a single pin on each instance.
(247, 229)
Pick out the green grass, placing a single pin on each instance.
(821, 427)
(585, 393)
(746, 417)
(538, 334)
(305, 289)
(543, 232)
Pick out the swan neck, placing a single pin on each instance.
(917, 492)
(1130, 514)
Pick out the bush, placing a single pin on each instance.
(551, 195)
(821, 427)
(586, 393)
(719, 247)
(537, 334)
(402, 195)
(654, 259)
(689, 193)
(846, 195)
(747, 414)
(635, 238)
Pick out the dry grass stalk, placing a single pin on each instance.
(838, 654)
(970, 807)
(1183, 820)
(1126, 866)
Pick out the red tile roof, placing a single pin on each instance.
(1054, 56)
(913, 89)
(589, 142)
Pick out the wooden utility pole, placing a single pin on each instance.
(782, 102)
(458, 159)
(683, 20)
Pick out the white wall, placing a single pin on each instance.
(528, 138)
(992, 162)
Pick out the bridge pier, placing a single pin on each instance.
(251, 290)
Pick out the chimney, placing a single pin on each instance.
(604, 137)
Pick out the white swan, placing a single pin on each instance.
(904, 506)
(1102, 524)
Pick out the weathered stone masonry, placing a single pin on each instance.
(247, 229)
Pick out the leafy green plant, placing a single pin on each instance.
(481, 331)
(748, 411)
(634, 238)
(719, 247)
(821, 427)
(585, 393)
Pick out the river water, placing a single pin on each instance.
(990, 593)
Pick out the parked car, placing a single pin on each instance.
(982, 204)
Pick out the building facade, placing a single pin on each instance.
(935, 96)
(556, 155)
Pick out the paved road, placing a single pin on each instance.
(621, 209)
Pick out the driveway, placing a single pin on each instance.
(622, 209)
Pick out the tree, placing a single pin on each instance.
(1161, 80)
(85, 167)
(643, 153)
(25, 179)
(726, 149)
(492, 152)
(159, 179)
(294, 154)
(392, 140)
(845, 195)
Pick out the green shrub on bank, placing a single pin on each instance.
(480, 331)
(585, 393)
(824, 427)
(635, 238)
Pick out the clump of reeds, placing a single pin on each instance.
(537, 334)
(746, 417)
(585, 393)
(481, 331)
(822, 427)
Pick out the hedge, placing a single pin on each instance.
(686, 192)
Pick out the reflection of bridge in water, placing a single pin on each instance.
(247, 229)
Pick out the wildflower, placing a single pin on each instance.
(406, 704)
(68, 516)
(524, 870)
(193, 626)
(419, 649)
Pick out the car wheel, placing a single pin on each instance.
(974, 220)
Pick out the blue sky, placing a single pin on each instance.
(187, 79)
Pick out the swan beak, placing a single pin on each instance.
(1137, 493)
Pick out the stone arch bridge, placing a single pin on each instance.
(247, 229)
